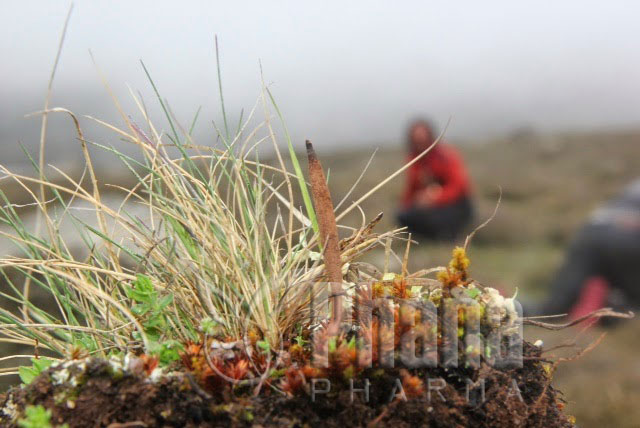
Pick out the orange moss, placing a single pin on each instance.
(149, 363)
(456, 273)
(412, 385)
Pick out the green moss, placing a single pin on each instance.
(37, 417)
(247, 415)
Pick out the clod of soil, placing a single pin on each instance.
(91, 393)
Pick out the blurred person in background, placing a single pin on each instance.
(436, 202)
(602, 265)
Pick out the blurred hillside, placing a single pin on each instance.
(548, 183)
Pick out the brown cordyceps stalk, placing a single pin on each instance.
(328, 229)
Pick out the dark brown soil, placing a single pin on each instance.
(104, 399)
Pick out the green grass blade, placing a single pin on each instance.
(306, 197)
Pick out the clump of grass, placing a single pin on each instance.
(223, 249)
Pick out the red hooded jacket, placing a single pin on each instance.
(443, 165)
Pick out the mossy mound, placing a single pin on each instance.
(95, 392)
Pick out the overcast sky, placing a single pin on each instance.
(343, 72)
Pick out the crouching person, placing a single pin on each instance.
(436, 203)
(602, 264)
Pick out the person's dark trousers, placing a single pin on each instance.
(440, 223)
(598, 250)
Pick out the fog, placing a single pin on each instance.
(343, 73)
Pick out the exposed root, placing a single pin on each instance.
(604, 312)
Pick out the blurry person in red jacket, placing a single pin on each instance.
(436, 203)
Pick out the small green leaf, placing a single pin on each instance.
(167, 352)
(165, 301)
(352, 343)
(142, 290)
(472, 292)
(28, 374)
(332, 344)
(264, 346)
(157, 320)
(140, 309)
(208, 326)
(37, 417)
(275, 374)
(41, 364)
(152, 334)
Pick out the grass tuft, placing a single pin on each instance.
(221, 250)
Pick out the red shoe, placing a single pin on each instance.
(593, 296)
